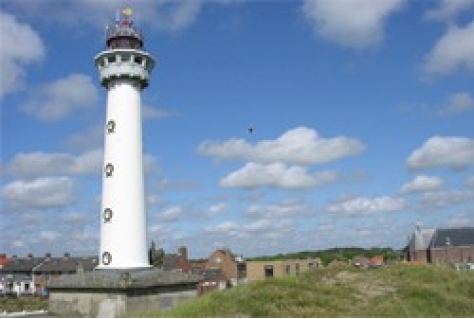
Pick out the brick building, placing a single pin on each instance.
(441, 246)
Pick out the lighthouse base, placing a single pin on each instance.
(119, 293)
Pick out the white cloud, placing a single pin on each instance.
(216, 209)
(279, 210)
(301, 146)
(352, 23)
(470, 181)
(422, 184)
(152, 113)
(439, 199)
(40, 193)
(448, 10)
(438, 151)
(226, 227)
(40, 163)
(367, 205)
(452, 52)
(61, 98)
(275, 175)
(90, 138)
(21, 47)
(459, 102)
(170, 16)
(172, 213)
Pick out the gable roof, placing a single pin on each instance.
(25, 265)
(454, 237)
(69, 264)
(421, 238)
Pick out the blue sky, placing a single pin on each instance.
(362, 115)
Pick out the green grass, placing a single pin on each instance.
(394, 291)
(23, 303)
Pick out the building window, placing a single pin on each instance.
(138, 60)
(268, 271)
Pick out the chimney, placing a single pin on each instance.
(183, 252)
(30, 255)
(48, 255)
(67, 255)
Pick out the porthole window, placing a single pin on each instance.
(110, 126)
(107, 215)
(109, 169)
(106, 258)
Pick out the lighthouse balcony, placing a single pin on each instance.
(120, 64)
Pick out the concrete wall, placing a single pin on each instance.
(256, 269)
(116, 303)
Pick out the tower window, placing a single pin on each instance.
(138, 60)
(107, 215)
(111, 59)
(106, 258)
(109, 169)
(110, 126)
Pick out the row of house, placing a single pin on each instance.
(223, 269)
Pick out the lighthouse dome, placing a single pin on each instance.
(123, 34)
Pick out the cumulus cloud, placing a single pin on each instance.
(40, 193)
(452, 52)
(22, 47)
(439, 199)
(169, 16)
(440, 151)
(470, 181)
(173, 213)
(40, 163)
(367, 205)
(447, 10)
(422, 184)
(285, 209)
(61, 98)
(275, 175)
(459, 102)
(90, 138)
(352, 23)
(300, 146)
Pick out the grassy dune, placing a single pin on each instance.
(394, 291)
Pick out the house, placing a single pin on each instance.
(376, 261)
(441, 246)
(452, 245)
(54, 267)
(29, 275)
(418, 246)
(177, 262)
(360, 261)
(16, 275)
(4, 260)
(232, 266)
(258, 270)
(213, 279)
(16, 284)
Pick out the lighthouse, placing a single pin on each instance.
(124, 69)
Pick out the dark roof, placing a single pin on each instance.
(22, 264)
(454, 237)
(67, 264)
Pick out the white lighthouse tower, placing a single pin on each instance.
(124, 69)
